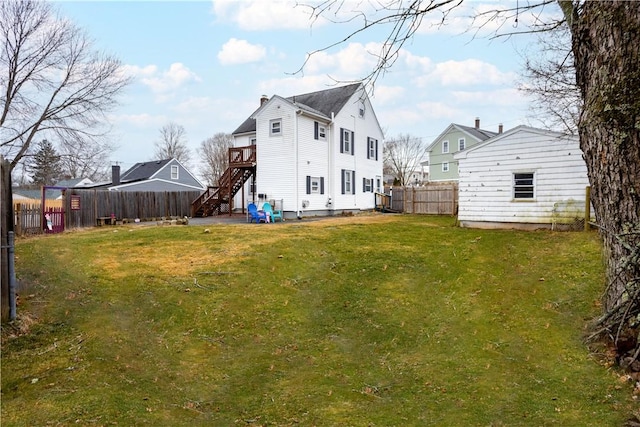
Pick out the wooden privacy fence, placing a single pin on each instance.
(434, 199)
(84, 207)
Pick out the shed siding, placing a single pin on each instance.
(486, 179)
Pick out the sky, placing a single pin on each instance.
(205, 64)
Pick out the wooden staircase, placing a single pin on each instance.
(218, 200)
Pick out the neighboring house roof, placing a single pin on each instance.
(144, 170)
(321, 103)
(76, 182)
(477, 133)
(36, 194)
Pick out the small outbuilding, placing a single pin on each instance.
(523, 178)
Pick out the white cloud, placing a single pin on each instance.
(240, 52)
(384, 95)
(176, 76)
(260, 15)
(352, 62)
(465, 73)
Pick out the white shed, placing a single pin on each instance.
(523, 178)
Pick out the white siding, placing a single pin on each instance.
(486, 178)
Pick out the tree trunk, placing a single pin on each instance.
(606, 46)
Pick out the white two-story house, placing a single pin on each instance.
(318, 153)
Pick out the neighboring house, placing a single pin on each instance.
(74, 183)
(155, 175)
(455, 138)
(524, 178)
(318, 153)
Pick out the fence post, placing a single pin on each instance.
(587, 208)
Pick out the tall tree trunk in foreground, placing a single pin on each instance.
(606, 46)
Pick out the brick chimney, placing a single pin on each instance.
(115, 175)
(500, 128)
(477, 122)
(263, 99)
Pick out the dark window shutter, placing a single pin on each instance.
(368, 144)
(315, 130)
(364, 184)
(308, 184)
(342, 179)
(376, 149)
(342, 143)
(372, 185)
(353, 182)
(322, 185)
(353, 142)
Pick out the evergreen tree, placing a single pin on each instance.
(46, 166)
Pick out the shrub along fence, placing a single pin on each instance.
(84, 208)
(433, 199)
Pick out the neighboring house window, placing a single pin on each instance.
(445, 146)
(319, 131)
(346, 141)
(348, 178)
(378, 184)
(174, 172)
(523, 185)
(367, 185)
(445, 167)
(372, 151)
(275, 127)
(252, 141)
(315, 185)
(461, 144)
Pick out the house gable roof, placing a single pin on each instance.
(476, 133)
(518, 129)
(321, 103)
(144, 170)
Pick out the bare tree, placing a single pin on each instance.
(402, 157)
(54, 86)
(173, 143)
(214, 152)
(604, 40)
(550, 80)
(81, 159)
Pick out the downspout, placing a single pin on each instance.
(331, 171)
(295, 133)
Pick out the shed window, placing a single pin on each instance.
(523, 186)
(174, 172)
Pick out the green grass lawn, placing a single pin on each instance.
(373, 320)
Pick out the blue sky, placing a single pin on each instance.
(205, 64)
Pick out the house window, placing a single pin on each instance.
(378, 184)
(461, 144)
(319, 131)
(348, 177)
(346, 141)
(275, 127)
(372, 152)
(445, 146)
(174, 172)
(252, 141)
(361, 109)
(315, 185)
(367, 185)
(445, 167)
(523, 185)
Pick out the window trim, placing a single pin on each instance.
(523, 188)
(462, 143)
(445, 146)
(351, 137)
(271, 127)
(175, 172)
(310, 184)
(348, 179)
(372, 148)
(445, 167)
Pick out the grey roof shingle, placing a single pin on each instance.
(144, 170)
(481, 134)
(322, 102)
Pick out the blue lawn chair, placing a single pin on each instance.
(255, 215)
